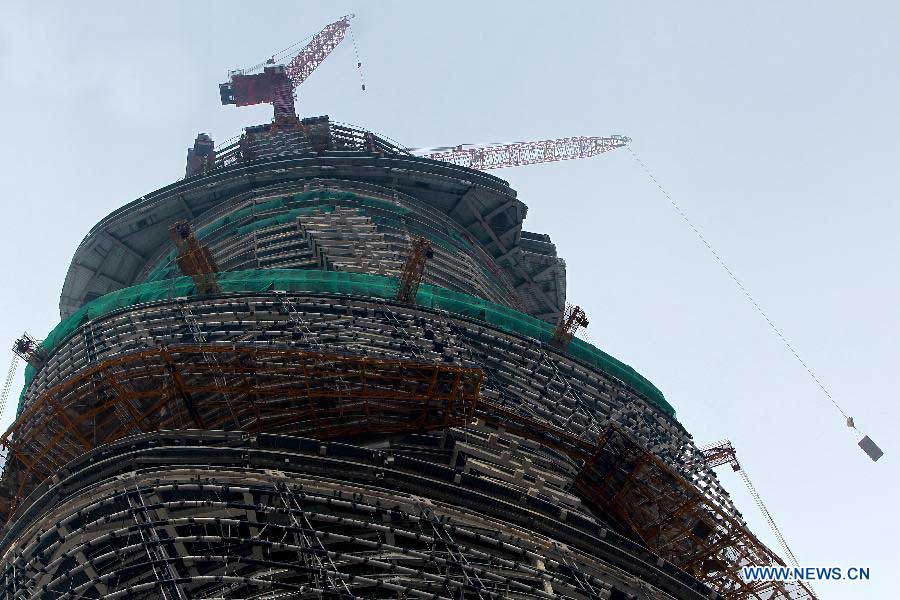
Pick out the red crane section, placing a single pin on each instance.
(720, 453)
(276, 83)
(317, 50)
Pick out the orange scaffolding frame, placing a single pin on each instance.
(240, 388)
(652, 504)
(328, 395)
(672, 516)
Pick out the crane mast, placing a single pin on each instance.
(573, 319)
(413, 270)
(194, 258)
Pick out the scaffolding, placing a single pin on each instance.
(244, 388)
(361, 284)
(675, 519)
(617, 477)
(658, 508)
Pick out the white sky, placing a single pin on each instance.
(774, 125)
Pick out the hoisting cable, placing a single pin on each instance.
(866, 443)
(362, 79)
(277, 56)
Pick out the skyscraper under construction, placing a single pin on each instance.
(321, 367)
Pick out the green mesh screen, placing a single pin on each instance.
(280, 219)
(355, 284)
(166, 267)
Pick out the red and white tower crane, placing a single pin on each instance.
(276, 84)
(723, 453)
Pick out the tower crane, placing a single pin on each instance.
(26, 348)
(723, 453)
(573, 318)
(277, 82)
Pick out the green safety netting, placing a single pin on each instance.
(380, 204)
(237, 215)
(166, 268)
(356, 284)
(463, 242)
(279, 219)
(417, 229)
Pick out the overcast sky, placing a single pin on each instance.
(775, 125)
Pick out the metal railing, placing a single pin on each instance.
(313, 136)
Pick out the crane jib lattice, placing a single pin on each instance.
(527, 153)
